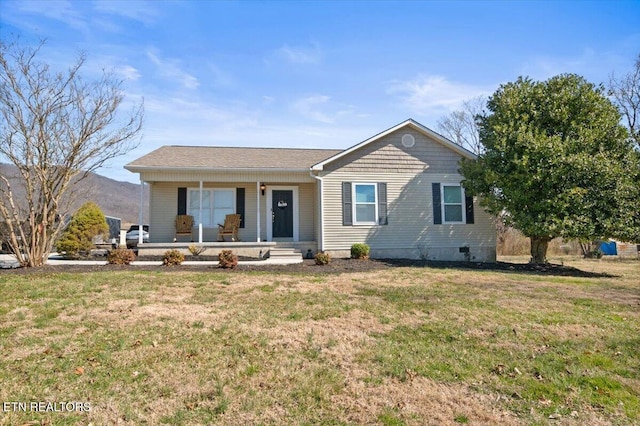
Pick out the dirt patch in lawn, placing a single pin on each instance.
(420, 401)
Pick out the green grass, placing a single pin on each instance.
(404, 346)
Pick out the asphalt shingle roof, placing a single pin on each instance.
(173, 156)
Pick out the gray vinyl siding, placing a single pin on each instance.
(388, 155)
(163, 208)
(408, 173)
(307, 194)
(410, 215)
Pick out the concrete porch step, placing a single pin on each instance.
(285, 253)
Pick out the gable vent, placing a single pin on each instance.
(408, 141)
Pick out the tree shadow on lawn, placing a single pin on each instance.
(551, 269)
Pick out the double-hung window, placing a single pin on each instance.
(453, 204)
(216, 204)
(366, 204)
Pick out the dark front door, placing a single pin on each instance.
(282, 208)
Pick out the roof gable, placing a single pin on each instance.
(407, 123)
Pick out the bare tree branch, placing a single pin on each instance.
(460, 126)
(625, 91)
(55, 128)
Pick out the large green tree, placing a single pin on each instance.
(556, 162)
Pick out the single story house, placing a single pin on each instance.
(398, 191)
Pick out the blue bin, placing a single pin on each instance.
(609, 248)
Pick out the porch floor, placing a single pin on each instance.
(249, 249)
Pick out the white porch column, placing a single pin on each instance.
(258, 211)
(140, 215)
(200, 216)
(123, 239)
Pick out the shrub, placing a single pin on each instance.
(322, 258)
(360, 251)
(196, 250)
(172, 257)
(121, 256)
(595, 253)
(87, 223)
(227, 259)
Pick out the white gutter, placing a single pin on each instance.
(321, 215)
(138, 169)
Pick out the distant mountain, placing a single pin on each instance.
(115, 198)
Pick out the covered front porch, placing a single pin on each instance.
(273, 190)
(277, 210)
(269, 212)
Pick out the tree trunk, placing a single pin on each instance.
(539, 247)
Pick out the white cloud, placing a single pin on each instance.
(79, 16)
(434, 94)
(300, 55)
(59, 10)
(309, 107)
(127, 72)
(141, 11)
(220, 78)
(106, 24)
(96, 65)
(588, 63)
(176, 109)
(320, 108)
(170, 69)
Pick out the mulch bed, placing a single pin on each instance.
(336, 266)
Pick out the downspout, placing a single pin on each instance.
(321, 209)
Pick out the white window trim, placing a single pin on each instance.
(462, 204)
(211, 190)
(355, 203)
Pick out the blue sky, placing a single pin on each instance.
(318, 74)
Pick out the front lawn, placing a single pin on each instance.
(399, 345)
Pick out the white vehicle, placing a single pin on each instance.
(133, 235)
